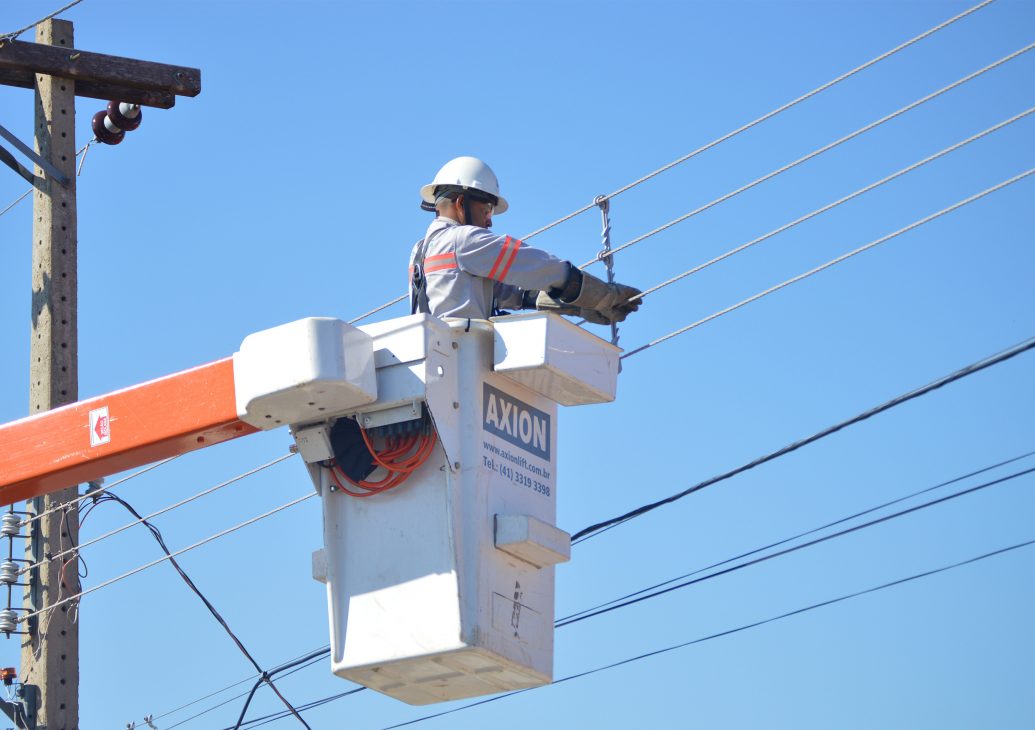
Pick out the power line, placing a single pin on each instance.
(210, 695)
(14, 34)
(839, 201)
(724, 138)
(156, 533)
(834, 262)
(162, 511)
(153, 563)
(98, 492)
(566, 619)
(817, 152)
(318, 654)
(764, 117)
(738, 629)
(795, 548)
(975, 367)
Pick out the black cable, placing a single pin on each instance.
(267, 676)
(318, 654)
(562, 621)
(736, 630)
(595, 529)
(106, 496)
(786, 551)
(273, 717)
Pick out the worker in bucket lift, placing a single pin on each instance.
(462, 269)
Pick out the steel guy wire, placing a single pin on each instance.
(567, 619)
(98, 492)
(974, 367)
(622, 603)
(738, 629)
(162, 511)
(724, 138)
(764, 117)
(833, 262)
(79, 171)
(153, 563)
(11, 36)
(830, 206)
(817, 152)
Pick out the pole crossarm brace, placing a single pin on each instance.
(88, 439)
(97, 75)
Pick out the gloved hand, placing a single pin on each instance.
(610, 301)
(545, 303)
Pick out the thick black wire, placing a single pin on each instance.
(594, 529)
(728, 632)
(208, 604)
(266, 719)
(795, 548)
(778, 543)
(607, 607)
(267, 676)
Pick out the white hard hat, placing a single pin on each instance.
(467, 172)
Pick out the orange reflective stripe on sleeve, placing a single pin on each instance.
(507, 253)
(439, 262)
(510, 261)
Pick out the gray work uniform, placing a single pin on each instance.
(468, 269)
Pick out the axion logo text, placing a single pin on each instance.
(516, 422)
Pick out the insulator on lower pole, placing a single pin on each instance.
(8, 621)
(10, 525)
(8, 573)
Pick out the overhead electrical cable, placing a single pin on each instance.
(870, 510)
(839, 201)
(975, 367)
(738, 629)
(763, 118)
(14, 34)
(156, 533)
(724, 138)
(153, 563)
(97, 492)
(210, 695)
(319, 654)
(162, 511)
(832, 262)
(815, 153)
(794, 548)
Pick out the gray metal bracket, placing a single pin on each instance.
(52, 172)
(22, 710)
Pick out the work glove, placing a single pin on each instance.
(609, 301)
(545, 303)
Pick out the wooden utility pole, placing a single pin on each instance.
(58, 72)
(50, 652)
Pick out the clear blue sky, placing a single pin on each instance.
(288, 188)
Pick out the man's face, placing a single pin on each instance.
(481, 213)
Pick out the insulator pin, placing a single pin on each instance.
(8, 621)
(10, 525)
(8, 573)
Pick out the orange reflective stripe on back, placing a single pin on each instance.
(439, 262)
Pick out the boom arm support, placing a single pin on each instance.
(172, 415)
